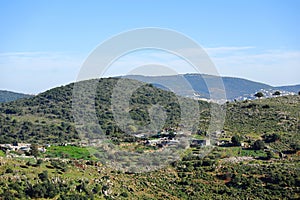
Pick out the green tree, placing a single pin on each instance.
(258, 145)
(295, 146)
(236, 140)
(259, 94)
(277, 93)
(43, 176)
(270, 155)
(9, 170)
(124, 194)
(39, 162)
(34, 151)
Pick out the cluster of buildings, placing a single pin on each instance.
(162, 142)
(20, 147)
(170, 138)
(268, 93)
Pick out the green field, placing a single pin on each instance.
(68, 152)
(238, 151)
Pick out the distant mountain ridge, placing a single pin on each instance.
(290, 88)
(7, 96)
(236, 88)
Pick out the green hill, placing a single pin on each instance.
(48, 116)
(7, 96)
(260, 118)
(225, 173)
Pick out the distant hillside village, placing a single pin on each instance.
(162, 139)
(23, 149)
(266, 93)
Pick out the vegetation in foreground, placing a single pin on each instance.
(217, 176)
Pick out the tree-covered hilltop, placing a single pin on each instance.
(262, 118)
(7, 96)
(259, 158)
(278, 114)
(48, 117)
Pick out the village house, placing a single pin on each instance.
(162, 142)
(199, 143)
(24, 147)
(15, 147)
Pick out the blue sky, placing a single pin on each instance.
(44, 43)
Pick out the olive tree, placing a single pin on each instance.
(259, 94)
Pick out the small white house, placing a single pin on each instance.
(199, 143)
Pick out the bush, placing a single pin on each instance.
(39, 162)
(43, 176)
(258, 145)
(96, 189)
(124, 194)
(295, 146)
(271, 137)
(270, 155)
(266, 106)
(259, 94)
(34, 150)
(9, 170)
(236, 140)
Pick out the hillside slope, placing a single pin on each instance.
(290, 88)
(225, 173)
(235, 88)
(6, 96)
(48, 116)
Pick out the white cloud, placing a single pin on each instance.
(162, 60)
(34, 72)
(275, 67)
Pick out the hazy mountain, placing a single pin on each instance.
(236, 88)
(290, 88)
(7, 96)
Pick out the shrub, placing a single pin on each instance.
(258, 145)
(39, 162)
(271, 137)
(270, 155)
(236, 140)
(124, 194)
(9, 170)
(43, 176)
(259, 94)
